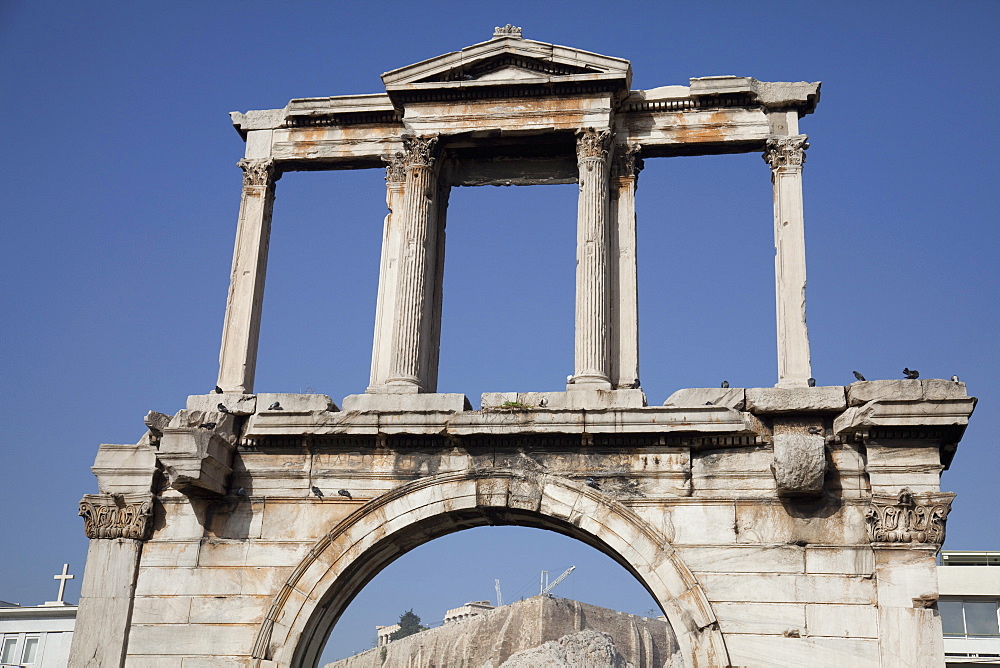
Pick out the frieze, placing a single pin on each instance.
(908, 517)
(117, 515)
(786, 151)
(258, 172)
(591, 143)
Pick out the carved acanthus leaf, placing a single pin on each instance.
(395, 167)
(908, 517)
(419, 151)
(786, 151)
(627, 162)
(258, 172)
(117, 515)
(591, 143)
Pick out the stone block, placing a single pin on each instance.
(237, 404)
(745, 559)
(734, 398)
(788, 588)
(229, 609)
(792, 652)
(430, 402)
(760, 618)
(575, 400)
(207, 640)
(927, 389)
(196, 460)
(124, 469)
(295, 403)
(840, 559)
(161, 610)
(842, 621)
(916, 638)
(778, 400)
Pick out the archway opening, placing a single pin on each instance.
(462, 567)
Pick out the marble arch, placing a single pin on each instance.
(788, 525)
(345, 559)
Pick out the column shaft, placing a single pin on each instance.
(241, 331)
(395, 181)
(625, 293)
(412, 310)
(786, 156)
(591, 340)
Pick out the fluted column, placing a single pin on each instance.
(435, 290)
(412, 306)
(592, 294)
(624, 308)
(241, 331)
(786, 155)
(395, 182)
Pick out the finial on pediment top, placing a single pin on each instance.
(507, 31)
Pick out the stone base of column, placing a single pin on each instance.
(432, 401)
(398, 387)
(588, 382)
(792, 383)
(583, 398)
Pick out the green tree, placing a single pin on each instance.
(409, 623)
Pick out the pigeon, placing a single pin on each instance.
(811, 382)
(241, 492)
(912, 374)
(218, 390)
(317, 491)
(725, 384)
(274, 407)
(591, 482)
(954, 379)
(815, 430)
(344, 492)
(543, 402)
(858, 375)
(222, 408)
(709, 403)
(207, 425)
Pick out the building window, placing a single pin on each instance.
(30, 650)
(969, 618)
(9, 649)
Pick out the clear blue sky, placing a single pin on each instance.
(120, 195)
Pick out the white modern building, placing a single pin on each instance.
(969, 583)
(36, 636)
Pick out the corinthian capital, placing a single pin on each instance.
(591, 143)
(395, 167)
(117, 515)
(419, 151)
(258, 172)
(908, 517)
(627, 162)
(786, 151)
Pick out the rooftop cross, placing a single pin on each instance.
(62, 585)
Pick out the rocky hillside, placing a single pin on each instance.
(537, 632)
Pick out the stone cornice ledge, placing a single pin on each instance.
(648, 420)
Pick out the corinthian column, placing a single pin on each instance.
(591, 341)
(412, 308)
(624, 310)
(240, 333)
(786, 156)
(395, 181)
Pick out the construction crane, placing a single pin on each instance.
(549, 587)
(499, 595)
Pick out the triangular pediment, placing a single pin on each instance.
(509, 58)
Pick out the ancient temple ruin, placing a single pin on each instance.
(787, 525)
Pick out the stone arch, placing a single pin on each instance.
(343, 561)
